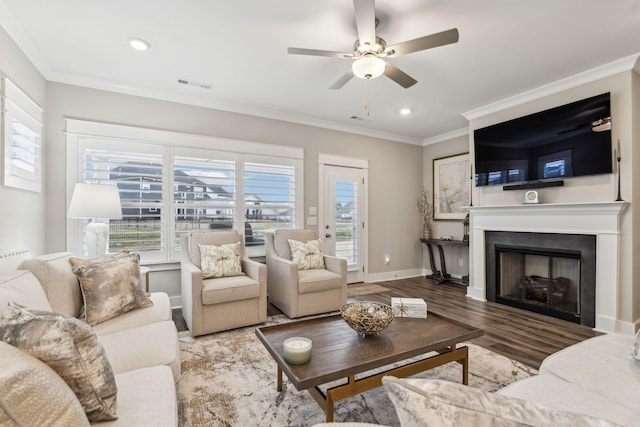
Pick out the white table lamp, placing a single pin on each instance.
(96, 201)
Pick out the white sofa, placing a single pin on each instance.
(591, 383)
(141, 345)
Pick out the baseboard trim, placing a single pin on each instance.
(393, 275)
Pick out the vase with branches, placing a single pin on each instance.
(425, 207)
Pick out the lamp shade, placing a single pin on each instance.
(368, 67)
(95, 201)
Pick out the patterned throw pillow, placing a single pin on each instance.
(72, 349)
(220, 260)
(307, 253)
(110, 287)
(31, 393)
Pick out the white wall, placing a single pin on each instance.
(22, 217)
(395, 169)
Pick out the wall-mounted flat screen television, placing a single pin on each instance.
(567, 141)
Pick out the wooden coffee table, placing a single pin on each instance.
(339, 352)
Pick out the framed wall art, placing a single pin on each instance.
(451, 187)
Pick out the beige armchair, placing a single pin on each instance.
(303, 292)
(217, 304)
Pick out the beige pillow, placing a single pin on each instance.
(31, 393)
(24, 288)
(307, 253)
(220, 260)
(72, 349)
(110, 287)
(432, 402)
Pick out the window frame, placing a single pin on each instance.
(80, 133)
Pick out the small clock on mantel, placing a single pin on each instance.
(531, 197)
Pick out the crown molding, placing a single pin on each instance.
(607, 70)
(446, 136)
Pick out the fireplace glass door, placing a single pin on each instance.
(546, 282)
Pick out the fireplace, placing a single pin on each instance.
(548, 273)
(599, 220)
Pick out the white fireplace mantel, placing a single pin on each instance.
(599, 219)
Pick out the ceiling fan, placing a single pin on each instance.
(369, 50)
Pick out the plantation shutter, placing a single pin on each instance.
(138, 176)
(269, 197)
(204, 192)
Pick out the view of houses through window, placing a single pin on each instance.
(168, 191)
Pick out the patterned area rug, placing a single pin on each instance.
(229, 379)
(357, 289)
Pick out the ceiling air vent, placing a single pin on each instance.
(186, 82)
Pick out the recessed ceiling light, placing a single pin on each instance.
(138, 44)
(405, 111)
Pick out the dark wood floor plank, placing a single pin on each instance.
(518, 334)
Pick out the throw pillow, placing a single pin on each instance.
(307, 253)
(72, 349)
(31, 393)
(110, 287)
(421, 401)
(220, 260)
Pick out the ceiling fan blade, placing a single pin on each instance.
(315, 52)
(342, 80)
(399, 76)
(365, 21)
(426, 42)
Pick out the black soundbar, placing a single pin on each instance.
(533, 184)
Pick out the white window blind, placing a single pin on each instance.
(22, 123)
(139, 177)
(204, 194)
(169, 184)
(269, 199)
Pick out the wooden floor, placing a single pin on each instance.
(521, 335)
(518, 334)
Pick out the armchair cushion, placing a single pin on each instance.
(227, 289)
(318, 280)
(220, 260)
(110, 287)
(307, 253)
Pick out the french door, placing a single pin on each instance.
(343, 211)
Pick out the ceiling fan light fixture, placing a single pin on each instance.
(368, 67)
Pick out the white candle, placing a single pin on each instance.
(297, 350)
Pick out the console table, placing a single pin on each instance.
(443, 276)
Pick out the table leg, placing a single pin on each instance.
(432, 262)
(465, 366)
(443, 264)
(279, 380)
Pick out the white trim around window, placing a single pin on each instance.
(198, 153)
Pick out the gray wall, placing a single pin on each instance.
(395, 169)
(22, 217)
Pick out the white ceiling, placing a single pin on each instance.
(506, 47)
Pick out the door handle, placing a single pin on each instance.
(327, 235)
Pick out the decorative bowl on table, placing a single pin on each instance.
(367, 317)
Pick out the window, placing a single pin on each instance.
(204, 186)
(22, 123)
(169, 186)
(269, 198)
